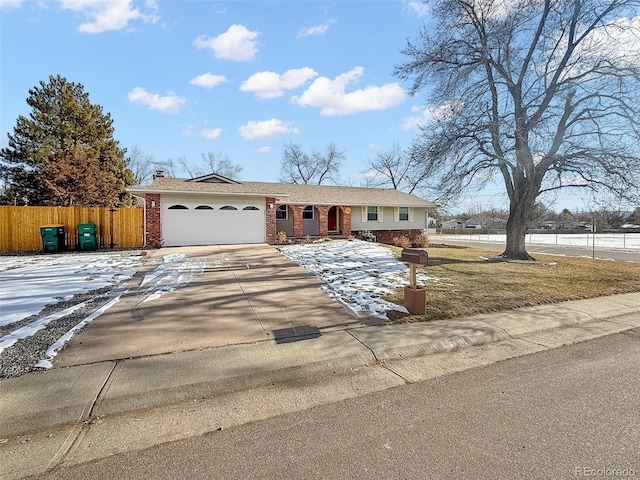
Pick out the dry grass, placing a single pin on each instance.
(469, 285)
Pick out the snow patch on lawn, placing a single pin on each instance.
(356, 273)
(28, 284)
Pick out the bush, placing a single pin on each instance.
(402, 241)
(281, 238)
(422, 240)
(367, 236)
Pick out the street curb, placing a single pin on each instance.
(77, 394)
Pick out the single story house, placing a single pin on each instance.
(212, 209)
(452, 224)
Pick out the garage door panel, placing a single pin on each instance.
(203, 226)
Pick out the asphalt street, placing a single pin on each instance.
(571, 412)
(628, 255)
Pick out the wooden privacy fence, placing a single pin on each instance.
(20, 226)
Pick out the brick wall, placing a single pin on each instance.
(296, 211)
(154, 230)
(270, 219)
(386, 236)
(323, 220)
(346, 220)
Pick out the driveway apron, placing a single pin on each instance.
(245, 294)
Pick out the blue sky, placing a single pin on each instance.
(181, 78)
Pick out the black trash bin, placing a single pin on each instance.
(52, 238)
(87, 238)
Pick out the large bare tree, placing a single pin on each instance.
(541, 93)
(318, 167)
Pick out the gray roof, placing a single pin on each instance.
(286, 192)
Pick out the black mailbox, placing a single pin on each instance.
(415, 255)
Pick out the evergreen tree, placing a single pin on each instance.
(64, 154)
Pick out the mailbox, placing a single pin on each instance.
(415, 255)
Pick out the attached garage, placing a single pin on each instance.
(200, 220)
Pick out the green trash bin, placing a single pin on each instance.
(87, 238)
(52, 238)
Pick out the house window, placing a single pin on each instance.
(281, 212)
(250, 207)
(228, 207)
(372, 214)
(403, 214)
(307, 213)
(204, 207)
(178, 207)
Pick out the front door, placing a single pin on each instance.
(332, 219)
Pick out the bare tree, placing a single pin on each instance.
(220, 164)
(210, 162)
(541, 93)
(401, 170)
(315, 168)
(141, 164)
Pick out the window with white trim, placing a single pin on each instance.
(403, 214)
(372, 214)
(307, 213)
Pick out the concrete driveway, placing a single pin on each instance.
(246, 294)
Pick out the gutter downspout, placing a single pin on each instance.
(144, 221)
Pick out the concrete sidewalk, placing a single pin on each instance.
(76, 394)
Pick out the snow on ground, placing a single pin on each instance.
(605, 240)
(27, 284)
(356, 273)
(175, 271)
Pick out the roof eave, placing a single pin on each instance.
(192, 192)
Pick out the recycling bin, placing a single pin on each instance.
(52, 238)
(87, 238)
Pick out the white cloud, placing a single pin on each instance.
(317, 30)
(208, 80)
(9, 4)
(238, 43)
(331, 97)
(271, 85)
(266, 129)
(211, 133)
(375, 147)
(265, 149)
(171, 103)
(419, 8)
(101, 16)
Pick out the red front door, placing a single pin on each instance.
(332, 219)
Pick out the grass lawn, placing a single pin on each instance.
(469, 285)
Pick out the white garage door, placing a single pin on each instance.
(222, 221)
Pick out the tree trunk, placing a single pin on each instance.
(516, 232)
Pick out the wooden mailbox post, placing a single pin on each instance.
(415, 297)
